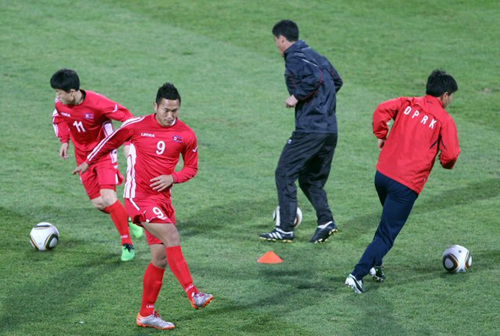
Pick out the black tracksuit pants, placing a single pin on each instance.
(306, 157)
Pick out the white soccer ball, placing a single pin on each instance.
(457, 259)
(296, 223)
(44, 236)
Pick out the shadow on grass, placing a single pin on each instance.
(58, 292)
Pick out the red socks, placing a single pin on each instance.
(120, 218)
(153, 280)
(180, 269)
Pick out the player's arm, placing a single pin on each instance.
(190, 158)
(61, 130)
(188, 171)
(118, 112)
(383, 114)
(108, 144)
(303, 79)
(449, 145)
(337, 80)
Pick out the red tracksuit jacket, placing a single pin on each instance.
(422, 128)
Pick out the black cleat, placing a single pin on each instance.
(377, 274)
(277, 235)
(323, 232)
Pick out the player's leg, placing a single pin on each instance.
(312, 181)
(293, 158)
(158, 218)
(109, 177)
(152, 283)
(397, 207)
(103, 197)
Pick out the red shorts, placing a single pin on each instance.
(151, 209)
(102, 175)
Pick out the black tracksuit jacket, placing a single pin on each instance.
(313, 80)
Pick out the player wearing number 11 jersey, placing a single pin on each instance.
(157, 142)
(86, 117)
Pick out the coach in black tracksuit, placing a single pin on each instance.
(312, 82)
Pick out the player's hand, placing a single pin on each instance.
(381, 143)
(161, 182)
(63, 151)
(291, 101)
(81, 168)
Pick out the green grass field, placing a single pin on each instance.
(221, 55)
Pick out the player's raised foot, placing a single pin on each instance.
(128, 252)
(200, 300)
(278, 235)
(355, 284)
(136, 230)
(154, 321)
(323, 232)
(377, 274)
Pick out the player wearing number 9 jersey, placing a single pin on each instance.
(86, 117)
(157, 142)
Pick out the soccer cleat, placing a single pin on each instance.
(355, 284)
(323, 232)
(153, 321)
(200, 300)
(137, 231)
(377, 274)
(128, 252)
(278, 235)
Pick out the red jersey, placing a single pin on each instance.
(154, 151)
(421, 129)
(89, 122)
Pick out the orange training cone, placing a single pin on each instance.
(270, 258)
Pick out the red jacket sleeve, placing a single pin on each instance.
(383, 114)
(60, 127)
(448, 144)
(118, 112)
(111, 142)
(190, 158)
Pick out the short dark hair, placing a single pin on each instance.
(167, 91)
(440, 82)
(288, 29)
(65, 79)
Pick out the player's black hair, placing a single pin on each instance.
(288, 29)
(440, 82)
(167, 91)
(65, 79)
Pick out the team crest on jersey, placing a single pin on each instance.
(89, 116)
(177, 138)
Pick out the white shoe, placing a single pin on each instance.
(355, 284)
(153, 321)
(201, 300)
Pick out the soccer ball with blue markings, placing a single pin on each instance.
(44, 236)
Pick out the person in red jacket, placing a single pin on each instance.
(85, 118)
(157, 142)
(422, 129)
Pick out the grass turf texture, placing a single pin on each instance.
(222, 58)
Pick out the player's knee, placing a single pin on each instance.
(159, 260)
(99, 204)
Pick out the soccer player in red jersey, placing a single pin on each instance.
(86, 117)
(422, 129)
(157, 142)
